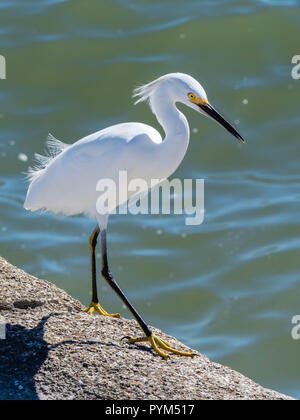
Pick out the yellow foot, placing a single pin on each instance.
(158, 343)
(98, 308)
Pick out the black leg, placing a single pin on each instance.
(93, 244)
(156, 343)
(113, 284)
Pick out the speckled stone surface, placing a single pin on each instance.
(53, 351)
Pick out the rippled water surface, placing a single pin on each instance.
(230, 286)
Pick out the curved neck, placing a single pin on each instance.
(176, 128)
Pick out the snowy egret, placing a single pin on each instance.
(65, 181)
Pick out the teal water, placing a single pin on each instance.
(229, 287)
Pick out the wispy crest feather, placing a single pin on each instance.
(53, 148)
(144, 92)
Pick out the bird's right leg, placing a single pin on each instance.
(156, 342)
(95, 306)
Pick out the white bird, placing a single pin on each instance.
(65, 181)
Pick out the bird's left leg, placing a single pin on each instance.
(95, 306)
(156, 343)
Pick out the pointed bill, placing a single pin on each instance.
(211, 112)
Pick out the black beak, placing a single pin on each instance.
(212, 113)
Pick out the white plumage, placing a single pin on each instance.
(65, 181)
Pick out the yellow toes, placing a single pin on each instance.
(157, 344)
(90, 310)
(98, 308)
(138, 340)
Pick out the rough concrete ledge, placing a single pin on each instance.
(53, 351)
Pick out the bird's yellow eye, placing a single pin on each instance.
(193, 98)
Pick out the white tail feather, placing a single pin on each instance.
(53, 148)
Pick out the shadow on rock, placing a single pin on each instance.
(21, 355)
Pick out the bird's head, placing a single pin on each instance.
(179, 87)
